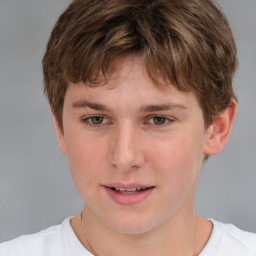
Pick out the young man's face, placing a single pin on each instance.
(135, 151)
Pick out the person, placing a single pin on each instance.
(141, 94)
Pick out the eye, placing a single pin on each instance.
(159, 120)
(95, 120)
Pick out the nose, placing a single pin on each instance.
(126, 150)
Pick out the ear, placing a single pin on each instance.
(60, 134)
(219, 132)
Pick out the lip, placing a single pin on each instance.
(128, 199)
(126, 185)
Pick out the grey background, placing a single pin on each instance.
(36, 189)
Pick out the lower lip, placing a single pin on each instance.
(128, 199)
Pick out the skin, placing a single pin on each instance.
(129, 141)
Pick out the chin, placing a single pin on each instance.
(132, 227)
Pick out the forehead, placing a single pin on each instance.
(129, 86)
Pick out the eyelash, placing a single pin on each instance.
(88, 121)
(166, 120)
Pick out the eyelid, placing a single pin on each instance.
(85, 119)
(168, 119)
(107, 121)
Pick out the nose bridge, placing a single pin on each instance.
(126, 151)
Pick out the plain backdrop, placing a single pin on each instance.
(36, 188)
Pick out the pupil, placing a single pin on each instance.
(159, 120)
(97, 119)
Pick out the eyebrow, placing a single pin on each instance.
(92, 105)
(162, 107)
(147, 108)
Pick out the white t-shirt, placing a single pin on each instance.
(60, 240)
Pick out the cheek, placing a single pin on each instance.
(85, 161)
(171, 153)
(178, 164)
(83, 152)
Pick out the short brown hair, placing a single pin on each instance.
(188, 43)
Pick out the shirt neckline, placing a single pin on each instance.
(79, 250)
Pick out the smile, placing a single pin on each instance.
(128, 194)
(128, 190)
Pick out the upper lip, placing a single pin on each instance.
(127, 185)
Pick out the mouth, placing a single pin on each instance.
(129, 191)
(128, 194)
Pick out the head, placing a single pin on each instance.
(141, 91)
(188, 44)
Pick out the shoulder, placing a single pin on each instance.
(46, 242)
(228, 240)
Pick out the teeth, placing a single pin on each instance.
(129, 190)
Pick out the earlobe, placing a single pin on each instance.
(60, 134)
(219, 132)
